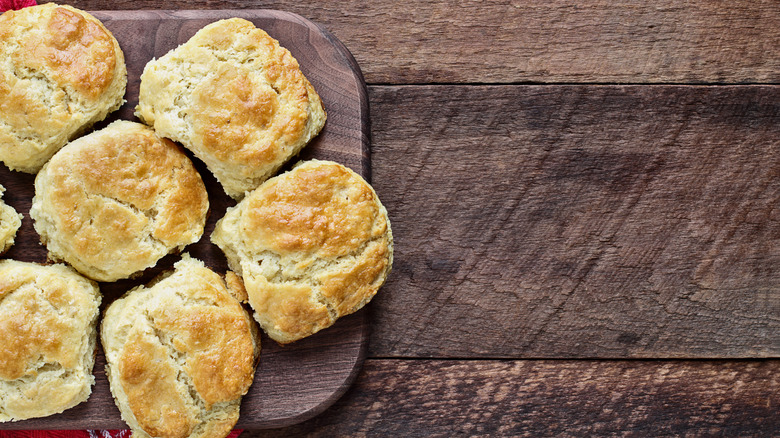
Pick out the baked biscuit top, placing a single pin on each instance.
(236, 98)
(312, 245)
(47, 339)
(323, 210)
(61, 70)
(78, 52)
(181, 353)
(238, 115)
(113, 202)
(62, 302)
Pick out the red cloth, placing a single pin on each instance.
(7, 5)
(78, 433)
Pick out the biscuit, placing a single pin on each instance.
(61, 71)
(312, 245)
(114, 202)
(10, 221)
(236, 99)
(180, 354)
(48, 318)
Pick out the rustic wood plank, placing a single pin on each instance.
(579, 221)
(540, 41)
(553, 398)
(292, 383)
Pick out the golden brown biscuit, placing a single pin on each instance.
(61, 71)
(48, 318)
(114, 202)
(312, 245)
(10, 221)
(235, 98)
(180, 354)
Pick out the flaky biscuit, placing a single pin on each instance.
(61, 71)
(114, 202)
(48, 318)
(235, 98)
(312, 245)
(10, 221)
(180, 354)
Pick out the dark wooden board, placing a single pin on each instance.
(510, 41)
(579, 221)
(429, 398)
(292, 383)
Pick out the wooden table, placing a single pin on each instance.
(585, 200)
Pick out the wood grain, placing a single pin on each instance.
(579, 221)
(292, 383)
(553, 398)
(557, 41)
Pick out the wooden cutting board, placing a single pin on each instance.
(292, 383)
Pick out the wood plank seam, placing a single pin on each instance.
(595, 221)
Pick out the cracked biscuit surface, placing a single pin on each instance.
(236, 99)
(312, 245)
(61, 71)
(10, 221)
(48, 318)
(114, 202)
(180, 354)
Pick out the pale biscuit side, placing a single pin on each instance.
(10, 221)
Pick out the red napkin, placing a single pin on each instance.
(7, 5)
(78, 433)
(64, 433)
